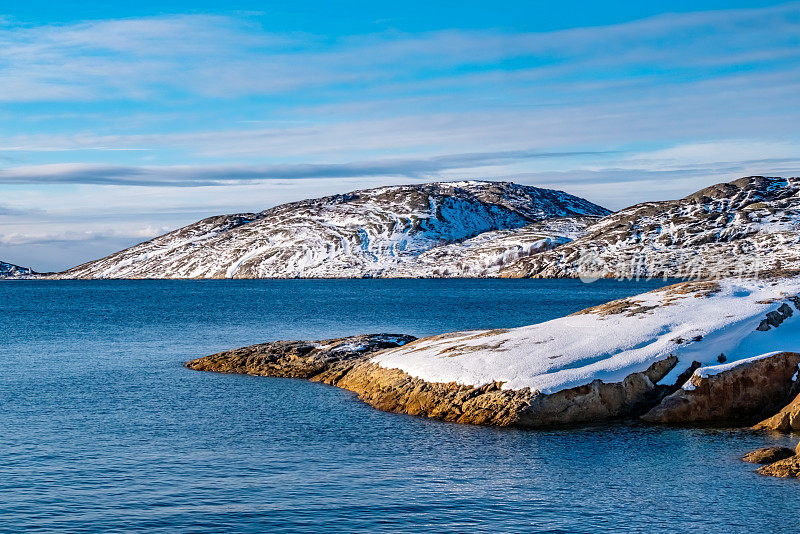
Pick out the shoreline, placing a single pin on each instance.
(655, 380)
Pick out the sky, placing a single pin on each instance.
(120, 121)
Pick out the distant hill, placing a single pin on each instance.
(468, 228)
(747, 227)
(8, 270)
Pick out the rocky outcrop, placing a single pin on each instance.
(789, 467)
(786, 420)
(768, 455)
(786, 468)
(345, 363)
(739, 395)
(300, 359)
(779, 461)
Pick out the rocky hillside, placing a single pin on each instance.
(8, 270)
(746, 227)
(437, 229)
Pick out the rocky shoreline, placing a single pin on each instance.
(346, 363)
(667, 391)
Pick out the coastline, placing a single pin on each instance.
(651, 379)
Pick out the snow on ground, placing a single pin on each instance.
(739, 229)
(694, 321)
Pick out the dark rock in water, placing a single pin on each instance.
(346, 363)
(768, 455)
(739, 395)
(786, 420)
(775, 318)
(722, 358)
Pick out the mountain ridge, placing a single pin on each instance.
(363, 233)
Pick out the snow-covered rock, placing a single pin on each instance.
(614, 360)
(747, 227)
(697, 321)
(738, 393)
(8, 270)
(462, 228)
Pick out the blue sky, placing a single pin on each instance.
(119, 121)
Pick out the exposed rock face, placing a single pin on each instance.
(789, 467)
(345, 363)
(780, 461)
(747, 227)
(8, 270)
(368, 233)
(740, 395)
(786, 420)
(299, 359)
(768, 455)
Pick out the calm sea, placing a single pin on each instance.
(103, 430)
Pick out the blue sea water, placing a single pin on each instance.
(103, 430)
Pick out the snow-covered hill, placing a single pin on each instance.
(748, 227)
(8, 270)
(439, 229)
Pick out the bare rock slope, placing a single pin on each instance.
(437, 229)
(747, 227)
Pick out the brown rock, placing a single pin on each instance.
(789, 467)
(768, 455)
(299, 359)
(338, 363)
(784, 421)
(739, 395)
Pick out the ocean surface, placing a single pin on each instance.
(103, 430)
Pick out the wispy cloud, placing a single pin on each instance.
(46, 238)
(9, 211)
(225, 57)
(198, 176)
